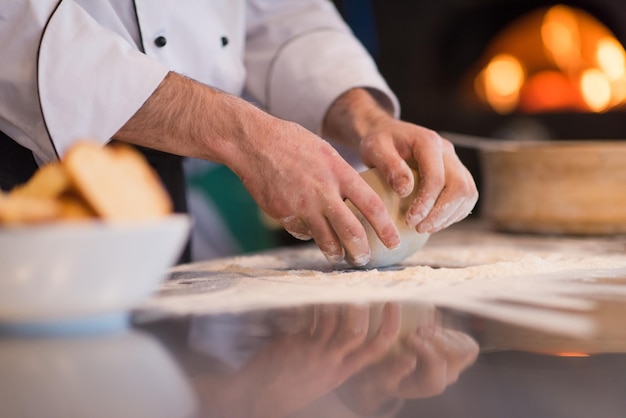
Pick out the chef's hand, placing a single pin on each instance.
(295, 176)
(428, 362)
(446, 191)
(302, 181)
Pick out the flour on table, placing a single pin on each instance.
(531, 281)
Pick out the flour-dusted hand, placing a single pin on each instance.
(295, 176)
(446, 192)
(301, 180)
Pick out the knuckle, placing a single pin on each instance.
(331, 250)
(437, 181)
(447, 146)
(436, 381)
(432, 136)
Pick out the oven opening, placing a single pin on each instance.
(553, 59)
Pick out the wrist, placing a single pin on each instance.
(191, 119)
(353, 115)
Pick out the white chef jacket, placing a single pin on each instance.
(76, 68)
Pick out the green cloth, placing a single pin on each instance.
(238, 210)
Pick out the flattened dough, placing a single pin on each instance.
(410, 240)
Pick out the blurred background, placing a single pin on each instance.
(480, 66)
(508, 69)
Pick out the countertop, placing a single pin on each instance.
(402, 345)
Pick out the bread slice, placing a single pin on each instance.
(116, 181)
(49, 181)
(21, 210)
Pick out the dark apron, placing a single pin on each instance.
(17, 165)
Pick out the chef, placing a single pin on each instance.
(171, 76)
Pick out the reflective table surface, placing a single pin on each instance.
(382, 358)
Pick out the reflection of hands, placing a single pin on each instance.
(429, 360)
(446, 190)
(295, 369)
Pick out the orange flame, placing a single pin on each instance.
(576, 64)
(572, 354)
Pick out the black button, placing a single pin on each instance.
(160, 41)
(224, 41)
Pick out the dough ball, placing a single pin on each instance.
(410, 240)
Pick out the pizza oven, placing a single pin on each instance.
(517, 69)
(487, 67)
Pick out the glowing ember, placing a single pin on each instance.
(596, 89)
(610, 58)
(503, 78)
(561, 37)
(554, 59)
(566, 354)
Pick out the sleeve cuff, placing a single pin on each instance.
(91, 81)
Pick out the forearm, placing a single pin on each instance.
(187, 118)
(294, 175)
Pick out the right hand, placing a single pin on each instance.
(302, 181)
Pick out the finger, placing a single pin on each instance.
(371, 207)
(453, 204)
(441, 214)
(392, 166)
(353, 329)
(459, 349)
(402, 365)
(293, 321)
(373, 350)
(470, 202)
(296, 227)
(326, 239)
(326, 322)
(458, 189)
(390, 372)
(431, 170)
(350, 233)
(462, 212)
(431, 373)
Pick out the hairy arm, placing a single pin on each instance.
(294, 175)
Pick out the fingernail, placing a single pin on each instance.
(333, 258)
(414, 219)
(393, 242)
(426, 332)
(302, 237)
(403, 186)
(361, 259)
(402, 180)
(425, 228)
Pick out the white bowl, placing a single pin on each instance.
(120, 375)
(77, 271)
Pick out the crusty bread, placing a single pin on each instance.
(49, 181)
(116, 181)
(19, 209)
(91, 181)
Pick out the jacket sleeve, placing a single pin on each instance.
(69, 77)
(301, 56)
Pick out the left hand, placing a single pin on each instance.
(446, 190)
